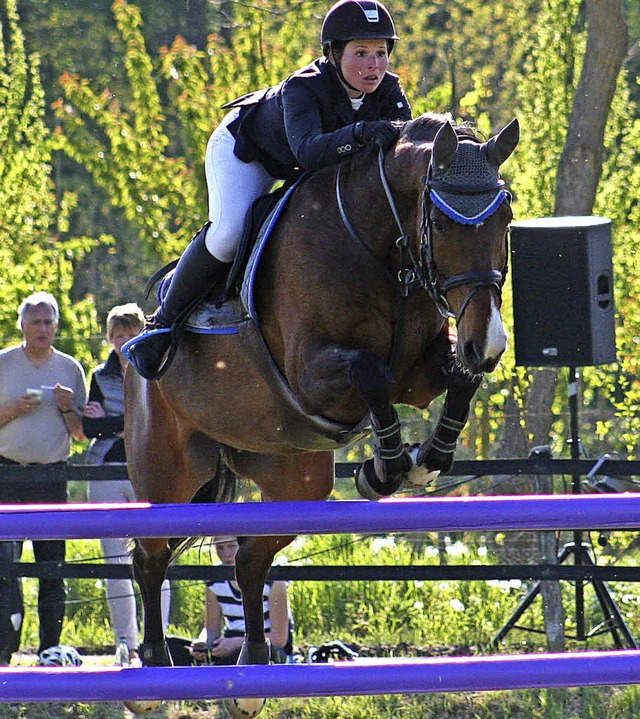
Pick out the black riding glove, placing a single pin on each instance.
(377, 132)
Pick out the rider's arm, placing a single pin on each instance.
(312, 147)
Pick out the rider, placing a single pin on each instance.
(318, 116)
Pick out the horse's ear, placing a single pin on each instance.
(445, 145)
(500, 147)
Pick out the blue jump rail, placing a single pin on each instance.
(504, 513)
(360, 677)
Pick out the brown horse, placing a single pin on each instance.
(353, 298)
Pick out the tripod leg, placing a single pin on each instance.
(520, 610)
(526, 602)
(610, 609)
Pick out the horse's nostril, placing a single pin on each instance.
(472, 354)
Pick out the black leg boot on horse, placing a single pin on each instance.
(195, 274)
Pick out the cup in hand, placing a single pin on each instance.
(34, 395)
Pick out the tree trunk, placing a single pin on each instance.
(578, 176)
(581, 162)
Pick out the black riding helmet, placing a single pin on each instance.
(357, 20)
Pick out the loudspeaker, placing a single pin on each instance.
(562, 279)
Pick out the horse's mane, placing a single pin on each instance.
(421, 129)
(424, 128)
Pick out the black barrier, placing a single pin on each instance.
(539, 464)
(338, 573)
(533, 465)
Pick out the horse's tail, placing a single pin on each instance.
(222, 487)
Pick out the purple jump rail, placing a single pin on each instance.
(530, 512)
(410, 676)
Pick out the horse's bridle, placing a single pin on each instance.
(437, 286)
(421, 269)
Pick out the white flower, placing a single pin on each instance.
(380, 543)
(457, 605)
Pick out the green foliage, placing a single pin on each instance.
(125, 149)
(36, 252)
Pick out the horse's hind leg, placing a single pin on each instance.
(296, 478)
(150, 561)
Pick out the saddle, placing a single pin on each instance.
(254, 222)
(232, 310)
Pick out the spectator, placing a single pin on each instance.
(42, 394)
(221, 639)
(103, 422)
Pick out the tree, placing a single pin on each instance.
(35, 251)
(577, 178)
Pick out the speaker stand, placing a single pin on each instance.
(579, 551)
(613, 623)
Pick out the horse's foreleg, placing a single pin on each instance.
(437, 452)
(150, 561)
(382, 475)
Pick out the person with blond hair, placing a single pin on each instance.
(103, 422)
(223, 634)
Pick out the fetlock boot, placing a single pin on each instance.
(195, 274)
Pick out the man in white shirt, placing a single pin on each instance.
(42, 395)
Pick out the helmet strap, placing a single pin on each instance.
(335, 61)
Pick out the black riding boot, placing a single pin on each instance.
(196, 273)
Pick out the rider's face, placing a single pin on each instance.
(364, 63)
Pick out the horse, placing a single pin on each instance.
(380, 284)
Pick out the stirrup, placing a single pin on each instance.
(157, 359)
(144, 335)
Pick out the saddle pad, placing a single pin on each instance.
(212, 317)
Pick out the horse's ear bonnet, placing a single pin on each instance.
(464, 181)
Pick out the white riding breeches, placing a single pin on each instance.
(233, 185)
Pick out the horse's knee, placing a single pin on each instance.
(371, 377)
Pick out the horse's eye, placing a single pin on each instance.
(439, 225)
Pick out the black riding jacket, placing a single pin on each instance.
(307, 121)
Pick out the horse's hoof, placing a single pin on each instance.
(421, 477)
(155, 654)
(370, 487)
(142, 707)
(438, 460)
(243, 708)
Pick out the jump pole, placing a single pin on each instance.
(360, 677)
(483, 514)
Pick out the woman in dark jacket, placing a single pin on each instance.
(103, 423)
(320, 115)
